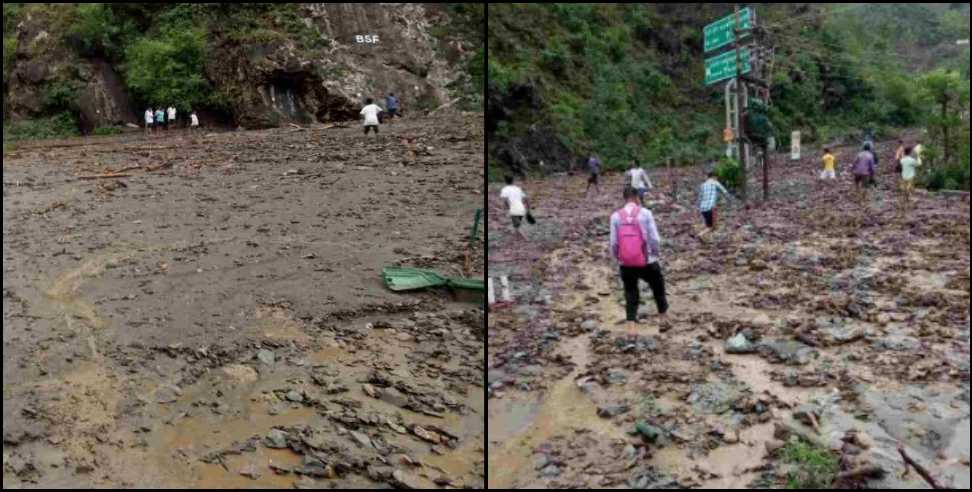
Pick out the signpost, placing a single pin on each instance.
(722, 32)
(723, 67)
(795, 146)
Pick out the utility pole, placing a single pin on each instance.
(740, 88)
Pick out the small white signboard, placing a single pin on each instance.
(795, 146)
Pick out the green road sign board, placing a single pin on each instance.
(722, 32)
(723, 67)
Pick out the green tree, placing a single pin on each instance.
(169, 69)
(950, 94)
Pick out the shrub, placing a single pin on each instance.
(61, 96)
(108, 130)
(9, 52)
(814, 468)
(60, 126)
(729, 173)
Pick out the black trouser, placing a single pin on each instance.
(651, 274)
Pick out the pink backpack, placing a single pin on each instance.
(631, 244)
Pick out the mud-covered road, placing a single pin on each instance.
(217, 318)
(854, 320)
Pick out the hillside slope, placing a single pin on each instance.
(625, 80)
(254, 65)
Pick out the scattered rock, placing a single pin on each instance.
(267, 357)
(371, 391)
(407, 480)
(277, 439)
(362, 439)
(168, 394)
(240, 374)
(739, 344)
(612, 411)
(426, 435)
(295, 396)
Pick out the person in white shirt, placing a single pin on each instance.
(370, 113)
(639, 181)
(193, 121)
(149, 119)
(517, 204)
(172, 117)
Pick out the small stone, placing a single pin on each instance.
(409, 481)
(426, 435)
(277, 439)
(267, 357)
(250, 471)
(168, 394)
(739, 344)
(371, 391)
(612, 411)
(362, 439)
(295, 397)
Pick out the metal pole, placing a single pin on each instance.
(740, 137)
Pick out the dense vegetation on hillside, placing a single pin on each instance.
(624, 80)
(160, 49)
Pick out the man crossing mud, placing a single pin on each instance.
(370, 113)
(517, 204)
(594, 168)
(149, 120)
(636, 246)
(159, 120)
(708, 200)
(638, 179)
(909, 165)
(863, 168)
(170, 118)
(830, 166)
(391, 107)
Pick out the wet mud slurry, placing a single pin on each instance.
(852, 322)
(217, 319)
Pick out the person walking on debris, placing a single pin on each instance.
(391, 104)
(636, 246)
(639, 181)
(909, 166)
(149, 119)
(159, 120)
(899, 154)
(193, 121)
(516, 203)
(863, 169)
(830, 166)
(708, 199)
(594, 168)
(370, 113)
(171, 117)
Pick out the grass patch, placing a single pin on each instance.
(64, 125)
(103, 131)
(813, 467)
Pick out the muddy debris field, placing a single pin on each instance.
(216, 317)
(802, 318)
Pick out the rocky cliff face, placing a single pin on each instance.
(373, 49)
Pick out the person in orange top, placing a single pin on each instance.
(830, 166)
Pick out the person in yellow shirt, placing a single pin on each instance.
(830, 166)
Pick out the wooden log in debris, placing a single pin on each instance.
(920, 469)
(104, 176)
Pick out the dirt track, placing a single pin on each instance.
(157, 328)
(861, 319)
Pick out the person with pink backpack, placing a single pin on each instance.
(635, 244)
